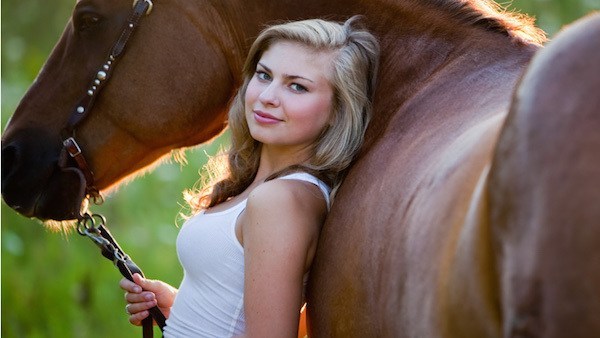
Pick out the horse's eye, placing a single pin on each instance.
(85, 21)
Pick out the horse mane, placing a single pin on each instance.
(493, 17)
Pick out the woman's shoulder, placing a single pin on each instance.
(289, 199)
(285, 211)
(288, 194)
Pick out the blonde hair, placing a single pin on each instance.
(355, 60)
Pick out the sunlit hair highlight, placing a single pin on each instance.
(355, 54)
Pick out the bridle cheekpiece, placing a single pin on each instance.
(82, 109)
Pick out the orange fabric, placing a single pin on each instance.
(302, 332)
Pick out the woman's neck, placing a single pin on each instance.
(275, 159)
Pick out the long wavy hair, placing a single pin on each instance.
(355, 60)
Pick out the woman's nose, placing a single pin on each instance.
(269, 95)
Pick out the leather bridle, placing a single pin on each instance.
(94, 225)
(86, 103)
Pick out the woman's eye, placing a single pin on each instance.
(86, 21)
(298, 88)
(262, 75)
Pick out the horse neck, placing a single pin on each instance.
(427, 50)
(430, 59)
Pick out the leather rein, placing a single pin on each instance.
(93, 226)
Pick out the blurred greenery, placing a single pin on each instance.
(56, 285)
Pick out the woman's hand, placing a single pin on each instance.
(145, 294)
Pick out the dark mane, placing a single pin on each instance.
(494, 17)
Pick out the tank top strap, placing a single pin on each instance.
(306, 177)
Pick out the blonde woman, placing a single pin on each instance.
(296, 123)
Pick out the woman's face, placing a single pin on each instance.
(289, 98)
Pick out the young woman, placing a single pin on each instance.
(296, 124)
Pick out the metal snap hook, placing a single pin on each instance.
(119, 257)
(85, 223)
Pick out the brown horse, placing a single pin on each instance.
(432, 233)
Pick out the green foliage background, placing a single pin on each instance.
(57, 285)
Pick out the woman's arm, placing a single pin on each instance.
(280, 228)
(144, 294)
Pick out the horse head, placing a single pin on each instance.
(170, 81)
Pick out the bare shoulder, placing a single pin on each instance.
(288, 205)
(288, 195)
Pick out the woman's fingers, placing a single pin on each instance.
(145, 296)
(129, 286)
(148, 284)
(136, 319)
(138, 300)
(138, 278)
(135, 308)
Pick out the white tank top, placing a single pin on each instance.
(210, 301)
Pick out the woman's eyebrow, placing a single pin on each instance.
(286, 76)
(265, 67)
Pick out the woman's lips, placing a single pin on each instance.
(264, 118)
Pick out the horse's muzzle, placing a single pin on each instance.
(33, 184)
